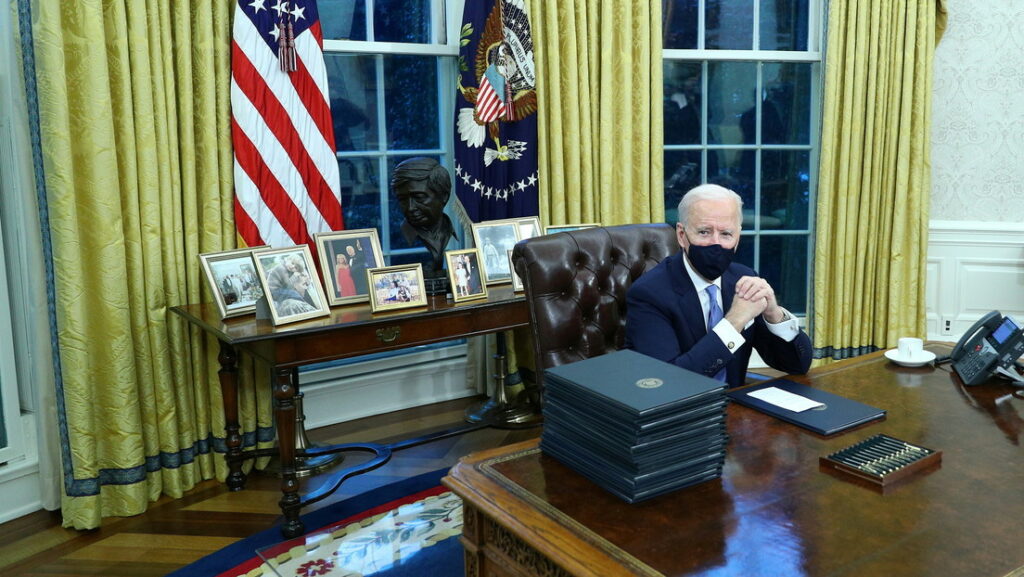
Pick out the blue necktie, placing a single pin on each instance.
(714, 316)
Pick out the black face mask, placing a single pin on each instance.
(710, 261)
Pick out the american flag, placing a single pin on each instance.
(286, 172)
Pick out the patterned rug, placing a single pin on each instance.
(405, 529)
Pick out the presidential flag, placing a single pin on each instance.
(286, 172)
(495, 112)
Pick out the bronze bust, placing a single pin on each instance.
(423, 187)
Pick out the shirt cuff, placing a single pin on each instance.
(731, 338)
(786, 330)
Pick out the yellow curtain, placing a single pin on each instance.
(134, 130)
(873, 191)
(599, 111)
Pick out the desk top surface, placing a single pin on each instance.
(249, 328)
(774, 511)
(363, 331)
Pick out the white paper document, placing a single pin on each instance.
(785, 399)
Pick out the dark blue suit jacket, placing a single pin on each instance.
(664, 320)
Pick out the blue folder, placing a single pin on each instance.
(838, 414)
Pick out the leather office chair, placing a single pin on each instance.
(576, 285)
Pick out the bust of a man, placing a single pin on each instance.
(423, 186)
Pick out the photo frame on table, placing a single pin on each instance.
(291, 284)
(568, 227)
(465, 274)
(345, 256)
(231, 275)
(529, 227)
(494, 238)
(396, 287)
(517, 283)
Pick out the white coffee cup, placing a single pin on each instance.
(910, 347)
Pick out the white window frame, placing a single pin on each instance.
(815, 56)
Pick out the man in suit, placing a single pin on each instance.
(669, 308)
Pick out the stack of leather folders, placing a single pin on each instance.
(636, 426)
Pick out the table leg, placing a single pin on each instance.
(284, 418)
(229, 392)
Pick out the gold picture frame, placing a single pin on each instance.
(396, 287)
(345, 256)
(465, 274)
(569, 227)
(493, 239)
(291, 284)
(231, 276)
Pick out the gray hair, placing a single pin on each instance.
(708, 192)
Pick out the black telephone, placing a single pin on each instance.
(994, 341)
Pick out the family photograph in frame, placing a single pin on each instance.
(291, 284)
(494, 239)
(231, 275)
(569, 227)
(345, 256)
(397, 287)
(464, 274)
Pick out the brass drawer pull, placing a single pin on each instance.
(389, 334)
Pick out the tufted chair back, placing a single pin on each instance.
(576, 285)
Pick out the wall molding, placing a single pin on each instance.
(972, 267)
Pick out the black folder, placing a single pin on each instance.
(838, 414)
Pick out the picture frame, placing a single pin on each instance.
(465, 274)
(529, 227)
(568, 227)
(345, 256)
(493, 239)
(517, 283)
(232, 278)
(396, 287)
(291, 284)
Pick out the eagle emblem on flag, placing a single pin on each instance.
(506, 82)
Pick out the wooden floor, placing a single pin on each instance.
(174, 533)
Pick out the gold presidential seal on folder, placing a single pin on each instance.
(650, 383)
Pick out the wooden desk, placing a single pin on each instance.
(774, 512)
(349, 331)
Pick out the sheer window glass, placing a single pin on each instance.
(742, 98)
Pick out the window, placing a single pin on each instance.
(742, 96)
(391, 72)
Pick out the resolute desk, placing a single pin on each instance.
(774, 511)
(349, 331)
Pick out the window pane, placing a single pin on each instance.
(682, 172)
(784, 261)
(353, 85)
(731, 107)
(680, 18)
(785, 189)
(784, 25)
(745, 251)
(401, 21)
(786, 110)
(729, 25)
(411, 100)
(343, 19)
(682, 102)
(360, 192)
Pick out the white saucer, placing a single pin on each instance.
(919, 361)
